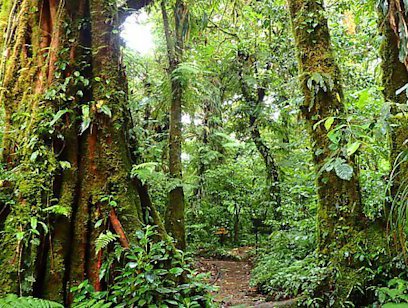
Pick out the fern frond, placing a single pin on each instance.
(13, 301)
(104, 239)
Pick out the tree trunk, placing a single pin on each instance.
(255, 101)
(174, 217)
(342, 226)
(202, 165)
(65, 145)
(236, 224)
(394, 77)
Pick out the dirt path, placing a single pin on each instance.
(232, 277)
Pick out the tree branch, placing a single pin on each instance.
(132, 6)
(138, 4)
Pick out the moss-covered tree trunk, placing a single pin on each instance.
(174, 217)
(65, 148)
(342, 226)
(394, 78)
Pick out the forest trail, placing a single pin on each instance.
(232, 278)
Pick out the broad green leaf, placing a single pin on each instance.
(86, 120)
(34, 156)
(45, 227)
(176, 271)
(353, 147)
(363, 99)
(34, 222)
(58, 116)
(20, 235)
(106, 110)
(344, 171)
(65, 165)
(334, 136)
(328, 123)
(98, 223)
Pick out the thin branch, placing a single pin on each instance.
(223, 30)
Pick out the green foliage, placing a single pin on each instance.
(13, 301)
(152, 273)
(289, 268)
(104, 239)
(317, 82)
(395, 292)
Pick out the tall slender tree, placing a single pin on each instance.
(255, 99)
(174, 216)
(67, 164)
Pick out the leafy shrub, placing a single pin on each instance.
(290, 268)
(395, 292)
(153, 273)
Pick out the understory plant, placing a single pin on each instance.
(13, 301)
(289, 268)
(151, 274)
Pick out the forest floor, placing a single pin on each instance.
(232, 277)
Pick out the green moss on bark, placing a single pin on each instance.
(343, 230)
(394, 77)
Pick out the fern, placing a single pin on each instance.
(13, 301)
(104, 239)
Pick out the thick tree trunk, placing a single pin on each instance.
(342, 226)
(65, 102)
(174, 217)
(395, 77)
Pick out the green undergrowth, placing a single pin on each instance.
(287, 267)
(152, 274)
(291, 268)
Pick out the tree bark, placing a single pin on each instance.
(342, 226)
(395, 77)
(64, 59)
(174, 216)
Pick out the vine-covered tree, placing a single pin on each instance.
(395, 80)
(255, 98)
(65, 153)
(342, 225)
